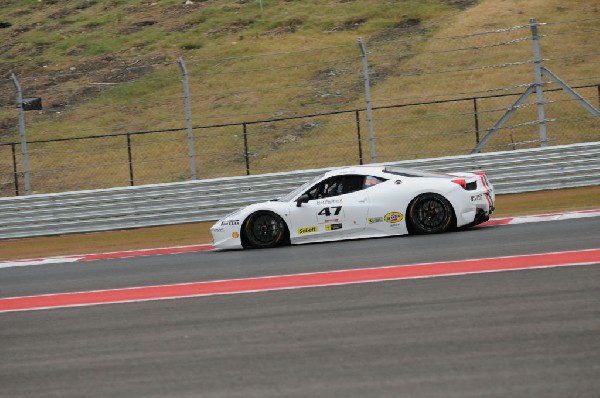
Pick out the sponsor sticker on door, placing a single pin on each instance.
(333, 227)
(393, 217)
(308, 230)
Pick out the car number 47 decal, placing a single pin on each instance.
(328, 211)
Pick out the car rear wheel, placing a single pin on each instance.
(265, 229)
(430, 213)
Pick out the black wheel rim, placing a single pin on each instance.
(266, 229)
(432, 214)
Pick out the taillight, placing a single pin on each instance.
(461, 182)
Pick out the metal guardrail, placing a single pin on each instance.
(204, 200)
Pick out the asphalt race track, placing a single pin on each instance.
(526, 333)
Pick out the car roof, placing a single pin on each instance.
(363, 170)
(384, 171)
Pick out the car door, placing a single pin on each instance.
(336, 207)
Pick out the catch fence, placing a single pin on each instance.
(243, 143)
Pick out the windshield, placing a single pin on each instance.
(300, 189)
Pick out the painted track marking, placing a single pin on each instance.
(320, 279)
(106, 256)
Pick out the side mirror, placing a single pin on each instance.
(302, 199)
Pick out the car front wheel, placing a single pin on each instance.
(430, 214)
(265, 229)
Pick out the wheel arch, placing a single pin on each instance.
(408, 218)
(244, 238)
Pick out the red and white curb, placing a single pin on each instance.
(542, 217)
(299, 281)
(106, 256)
(199, 248)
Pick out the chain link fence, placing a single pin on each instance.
(296, 110)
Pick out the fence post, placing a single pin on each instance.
(539, 89)
(476, 113)
(368, 99)
(360, 154)
(23, 135)
(246, 156)
(130, 160)
(188, 117)
(15, 173)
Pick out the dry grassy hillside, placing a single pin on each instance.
(106, 67)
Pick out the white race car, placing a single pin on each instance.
(360, 202)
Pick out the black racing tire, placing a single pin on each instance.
(265, 229)
(430, 213)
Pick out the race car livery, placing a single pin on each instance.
(361, 202)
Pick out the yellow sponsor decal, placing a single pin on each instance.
(393, 217)
(235, 235)
(307, 230)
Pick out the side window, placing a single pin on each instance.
(326, 188)
(336, 186)
(353, 184)
(313, 192)
(372, 180)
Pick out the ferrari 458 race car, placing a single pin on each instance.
(360, 202)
